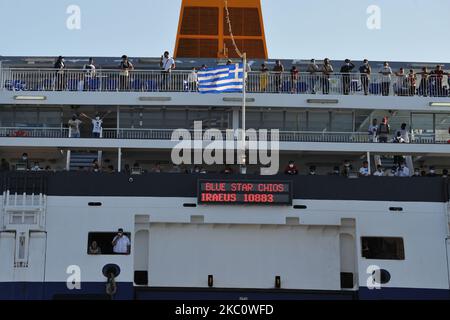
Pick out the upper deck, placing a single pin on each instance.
(33, 80)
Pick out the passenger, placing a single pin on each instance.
(445, 173)
(156, 168)
(412, 82)
(121, 243)
(126, 169)
(432, 172)
(398, 138)
(403, 170)
(60, 82)
(364, 170)
(424, 83)
(97, 122)
(48, 168)
(312, 170)
(74, 126)
(383, 131)
(327, 70)
(111, 169)
(94, 248)
(95, 166)
(312, 69)
(291, 169)
(365, 70)
(294, 79)
(4, 165)
(345, 71)
(401, 82)
(24, 161)
(263, 78)
(379, 172)
(436, 77)
(167, 64)
(36, 167)
(336, 171)
(89, 75)
(393, 172)
(404, 133)
(193, 80)
(417, 173)
(348, 168)
(124, 77)
(373, 129)
(278, 69)
(386, 72)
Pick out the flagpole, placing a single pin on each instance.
(244, 101)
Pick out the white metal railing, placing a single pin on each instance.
(22, 79)
(34, 132)
(166, 134)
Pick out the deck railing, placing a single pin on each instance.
(166, 134)
(25, 79)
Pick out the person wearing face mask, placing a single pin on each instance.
(291, 169)
(379, 172)
(416, 173)
(432, 172)
(97, 122)
(336, 171)
(345, 70)
(365, 70)
(403, 170)
(312, 170)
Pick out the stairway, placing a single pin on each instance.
(82, 160)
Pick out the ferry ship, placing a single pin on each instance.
(215, 231)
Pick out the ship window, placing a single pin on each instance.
(382, 248)
(103, 242)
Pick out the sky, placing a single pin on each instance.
(400, 30)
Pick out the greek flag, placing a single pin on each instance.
(221, 79)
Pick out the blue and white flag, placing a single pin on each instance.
(221, 79)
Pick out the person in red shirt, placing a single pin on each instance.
(294, 79)
(291, 169)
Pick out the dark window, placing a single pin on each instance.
(104, 242)
(382, 248)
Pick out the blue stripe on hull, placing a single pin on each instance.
(126, 291)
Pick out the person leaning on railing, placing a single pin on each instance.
(424, 83)
(327, 70)
(278, 69)
(365, 70)
(263, 78)
(167, 64)
(124, 77)
(312, 69)
(345, 70)
(60, 81)
(412, 81)
(386, 71)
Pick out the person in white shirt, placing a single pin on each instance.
(364, 170)
(89, 75)
(404, 133)
(386, 71)
(167, 64)
(373, 129)
(97, 123)
(403, 170)
(121, 243)
(192, 81)
(379, 172)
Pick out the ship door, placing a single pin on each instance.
(348, 261)
(141, 257)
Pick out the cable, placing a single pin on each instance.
(231, 30)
